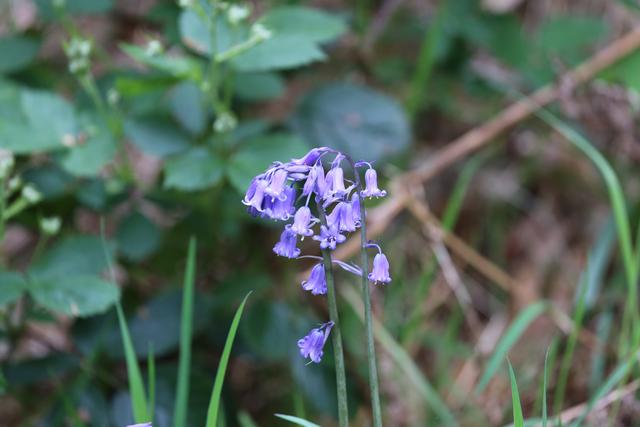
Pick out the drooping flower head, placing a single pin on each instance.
(286, 247)
(371, 181)
(380, 271)
(317, 282)
(302, 222)
(311, 346)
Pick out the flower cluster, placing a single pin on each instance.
(285, 191)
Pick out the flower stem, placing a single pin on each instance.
(336, 335)
(366, 297)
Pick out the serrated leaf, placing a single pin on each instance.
(17, 52)
(177, 66)
(187, 102)
(303, 22)
(73, 255)
(43, 122)
(277, 53)
(354, 119)
(156, 136)
(137, 237)
(88, 159)
(12, 285)
(74, 295)
(258, 86)
(195, 169)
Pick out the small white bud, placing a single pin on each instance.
(51, 225)
(225, 122)
(30, 194)
(184, 3)
(154, 47)
(261, 32)
(14, 183)
(237, 13)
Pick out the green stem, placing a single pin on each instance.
(336, 335)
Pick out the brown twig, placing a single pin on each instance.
(381, 216)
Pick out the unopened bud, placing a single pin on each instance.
(237, 13)
(261, 32)
(51, 225)
(225, 122)
(154, 47)
(30, 194)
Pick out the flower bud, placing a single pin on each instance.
(50, 226)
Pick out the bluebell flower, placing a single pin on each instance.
(276, 187)
(329, 237)
(311, 157)
(342, 217)
(317, 282)
(302, 222)
(280, 209)
(312, 345)
(355, 209)
(286, 247)
(371, 181)
(380, 271)
(255, 194)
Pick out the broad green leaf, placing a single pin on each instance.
(569, 35)
(306, 23)
(214, 403)
(195, 169)
(510, 337)
(71, 256)
(297, 420)
(137, 237)
(357, 120)
(12, 286)
(250, 158)
(156, 136)
(187, 102)
(258, 86)
(626, 71)
(90, 157)
(74, 295)
(42, 122)
(17, 52)
(177, 66)
(278, 53)
(195, 33)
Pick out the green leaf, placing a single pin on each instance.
(156, 136)
(74, 295)
(518, 419)
(194, 32)
(17, 52)
(510, 337)
(177, 66)
(90, 157)
(252, 157)
(137, 237)
(73, 255)
(186, 332)
(357, 120)
(258, 86)
(278, 53)
(41, 123)
(296, 420)
(306, 23)
(625, 71)
(187, 102)
(195, 169)
(569, 35)
(214, 403)
(12, 286)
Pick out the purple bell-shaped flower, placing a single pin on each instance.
(302, 222)
(317, 283)
(371, 181)
(312, 344)
(286, 247)
(380, 271)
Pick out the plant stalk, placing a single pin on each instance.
(336, 335)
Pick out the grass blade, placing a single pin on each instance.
(511, 336)
(544, 387)
(136, 385)
(151, 378)
(214, 403)
(296, 420)
(518, 418)
(186, 330)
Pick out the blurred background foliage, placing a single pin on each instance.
(138, 114)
